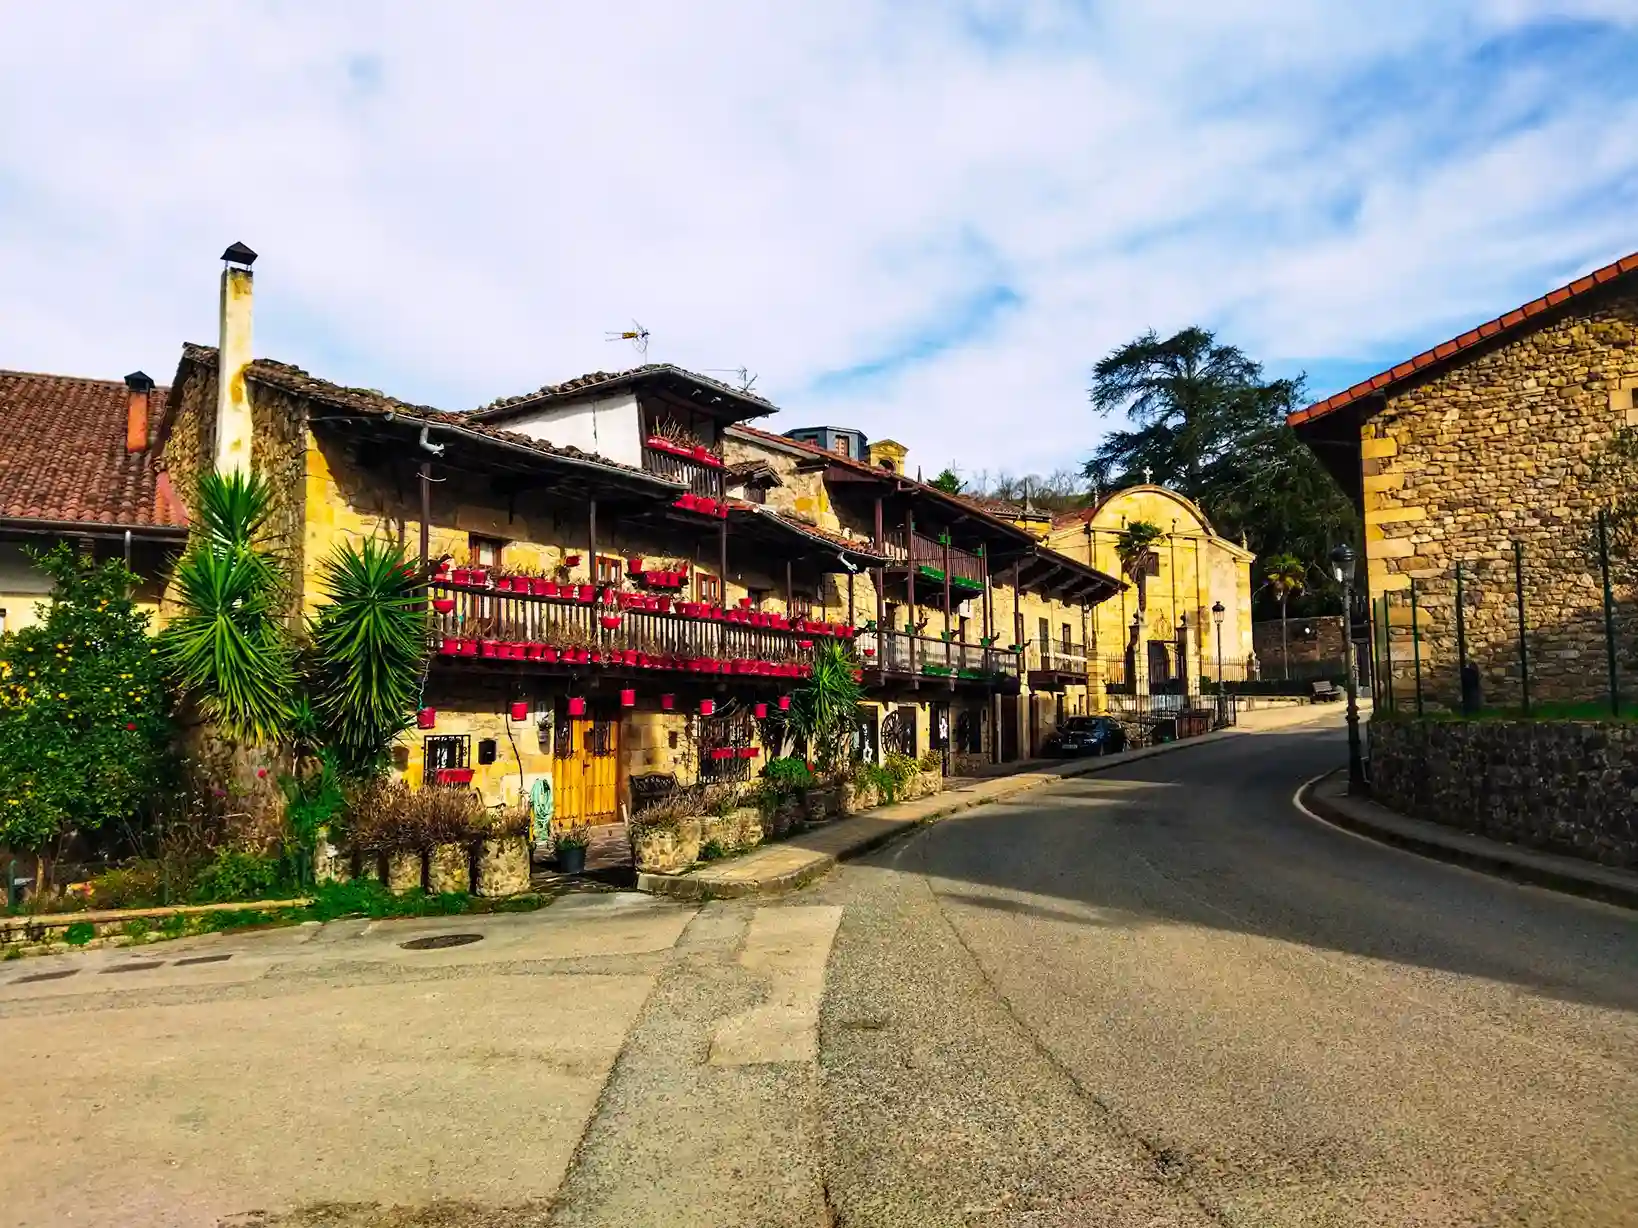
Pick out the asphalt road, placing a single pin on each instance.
(1163, 996)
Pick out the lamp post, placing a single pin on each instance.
(1217, 613)
(1342, 563)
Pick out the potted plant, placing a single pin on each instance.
(570, 844)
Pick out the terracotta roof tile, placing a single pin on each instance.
(374, 403)
(65, 457)
(1447, 349)
(609, 380)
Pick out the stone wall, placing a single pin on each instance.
(1560, 786)
(1496, 449)
(1312, 641)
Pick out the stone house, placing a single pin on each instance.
(953, 658)
(80, 465)
(1162, 635)
(1490, 439)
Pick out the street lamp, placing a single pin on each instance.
(1217, 612)
(1342, 564)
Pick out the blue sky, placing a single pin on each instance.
(921, 217)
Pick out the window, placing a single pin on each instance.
(485, 551)
(1069, 640)
(756, 494)
(801, 606)
(610, 570)
(707, 588)
(961, 630)
(1151, 564)
(843, 446)
(446, 751)
(1045, 628)
(758, 597)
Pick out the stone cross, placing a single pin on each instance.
(1148, 475)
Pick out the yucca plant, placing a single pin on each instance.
(369, 650)
(1134, 546)
(1287, 576)
(229, 648)
(826, 708)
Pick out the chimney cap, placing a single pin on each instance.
(139, 381)
(239, 254)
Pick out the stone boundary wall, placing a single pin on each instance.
(1568, 787)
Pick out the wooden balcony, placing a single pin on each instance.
(484, 625)
(1055, 665)
(700, 470)
(903, 656)
(926, 555)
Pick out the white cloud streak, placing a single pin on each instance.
(456, 202)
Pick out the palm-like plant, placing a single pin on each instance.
(1133, 547)
(1287, 576)
(230, 648)
(369, 648)
(825, 710)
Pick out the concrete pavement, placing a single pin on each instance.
(1162, 995)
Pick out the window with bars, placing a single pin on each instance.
(707, 588)
(485, 551)
(610, 570)
(721, 740)
(446, 750)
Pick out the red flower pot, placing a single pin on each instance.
(586, 592)
(468, 648)
(426, 718)
(628, 699)
(453, 776)
(571, 560)
(577, 706)
(784, 703)
(503, 584)
(744, 603)
(549, 654)
(461, 575)
(662, 604)
(760, 711)
(480, 575)
(723, 752)
(451, 646)
(747, 752)
(634, 565)
(609, 621)
(489, 648)
(608, 594)
(541, 588)
(804, 643)
(443, 604)
(668, 703)
(520, 710)
(707, 707)
(533, 651)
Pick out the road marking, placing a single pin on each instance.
(790, 947)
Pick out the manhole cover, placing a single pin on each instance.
(203, 959)
(135, 966)
(438, 941)
(45, 976)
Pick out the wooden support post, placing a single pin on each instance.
(426, 511)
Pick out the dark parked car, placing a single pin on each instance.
(1085, 735)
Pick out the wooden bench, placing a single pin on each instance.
(1326, 691)
(650, 788)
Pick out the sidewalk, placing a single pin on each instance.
(800, 860)
(1328, 799)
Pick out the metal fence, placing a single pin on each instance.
(1520, 628)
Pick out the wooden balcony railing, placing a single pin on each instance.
(926, 555)
(899, 652)
(484, 623)
(702, 476)
(1059, 658)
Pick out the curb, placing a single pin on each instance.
(689, 889)
(1495, 862)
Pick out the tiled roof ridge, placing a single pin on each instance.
(596, 379)
(1448, 349)
(78, 379)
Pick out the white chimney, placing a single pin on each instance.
(233, 356)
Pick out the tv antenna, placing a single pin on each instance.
(636, 334)
(744, 375)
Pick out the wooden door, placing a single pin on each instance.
(1009, 728)
(587, 776)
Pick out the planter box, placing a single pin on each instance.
(666, 850)
(502, 866)
(404, 870)
(449, 868)
(856, 799)
(453, 776)
(822, 804)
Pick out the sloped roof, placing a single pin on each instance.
(370, 402)
(610, 381)
(1393, 377)
(65, 456)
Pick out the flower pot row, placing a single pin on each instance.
(735, 752)
(656, 577)
(702, 505)
(551, 654)
(698, 452)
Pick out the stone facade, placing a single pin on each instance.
(1563, 787)
(1497, 448)
(1315, 646)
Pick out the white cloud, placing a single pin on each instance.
(455, 203)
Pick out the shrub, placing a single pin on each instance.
(787, 776)
(901, 769)
(142, 884)
(80, 933)
(713, 850)
(875, 776)
(388, 814)
(932, 761)
(666, 814)
(84, 724)
(237, 875)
